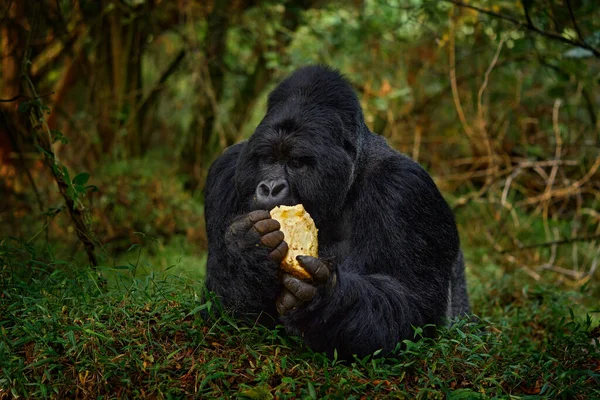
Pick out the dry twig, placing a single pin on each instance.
(552, 243)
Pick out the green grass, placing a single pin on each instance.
(62, 336)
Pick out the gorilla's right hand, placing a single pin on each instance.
(257, 229)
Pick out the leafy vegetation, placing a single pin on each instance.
(122, 105)
(62, 335)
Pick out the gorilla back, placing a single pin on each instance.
(389, 252)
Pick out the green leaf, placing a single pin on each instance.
(24, 106)
(133, 246)
(259, 392)
(71, 337)
(57, 136)
(81, 179)
(201, 307)
(464, 394)
(311, 391)
(66, 175)
(71, 194)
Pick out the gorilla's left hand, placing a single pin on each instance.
(296, 292)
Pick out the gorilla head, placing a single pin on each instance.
(307, 146)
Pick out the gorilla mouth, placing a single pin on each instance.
(269, 205)
(290, 200)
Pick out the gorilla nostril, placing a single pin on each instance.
(278, 188)
(263, 189)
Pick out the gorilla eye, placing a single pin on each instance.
(267, 159)
(297, 163)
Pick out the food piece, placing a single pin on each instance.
(300, 234)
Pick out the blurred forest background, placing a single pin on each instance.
(111, 112)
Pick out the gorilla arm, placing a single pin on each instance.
(397, 276)
(244, 249)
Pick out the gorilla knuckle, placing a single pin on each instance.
(267, 225)
(287, 302)
(258, 215)
(304, 291)
(314, 266)
(322, 273)
(272, 239)
(276, 255)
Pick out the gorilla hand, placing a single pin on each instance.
(256, 229)
(296, 292)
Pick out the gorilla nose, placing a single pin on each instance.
(271, 193)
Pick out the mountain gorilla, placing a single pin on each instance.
(389, 256)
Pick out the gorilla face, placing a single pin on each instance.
(293, 159)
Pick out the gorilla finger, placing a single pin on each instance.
(279, 253)
(287, 302)
(267, 225)
(302, 290)
(315, 267)
(257, 215)
(241, 225)
(272, 239)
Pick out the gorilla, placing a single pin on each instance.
(389, 251)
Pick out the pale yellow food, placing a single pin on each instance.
(300, 234)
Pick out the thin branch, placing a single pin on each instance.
(480, 111)
(454, 86)
(486, 80)
(22, 96)
(552, 243)
(572, 15)
(554, 170)
(15, 98)
(147, 102)
(563, 192)
(151, 97)
(526, 4)
(528, 26)
(586, 96)
(560, 270)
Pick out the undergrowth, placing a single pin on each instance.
(64, 335)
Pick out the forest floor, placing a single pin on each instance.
(62, 335)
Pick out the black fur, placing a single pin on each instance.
(384, 228)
